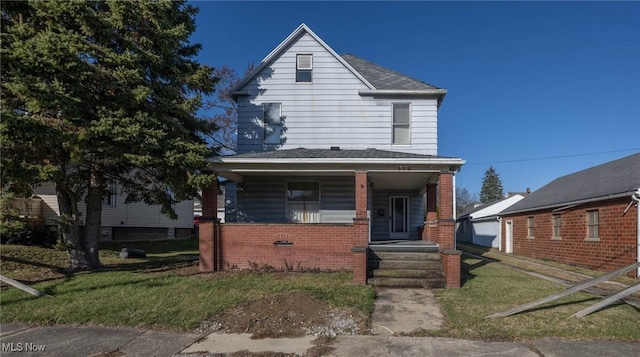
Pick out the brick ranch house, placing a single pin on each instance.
(588, 218)
(335, 155)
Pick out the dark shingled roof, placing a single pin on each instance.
(599, 182)
(383, 78)
(302, 153)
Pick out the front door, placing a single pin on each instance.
(399, 217)
(508, 240)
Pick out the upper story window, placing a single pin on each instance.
(593, 224)
(272, 122)
(401, 123)
(304, 66)
(111, 194)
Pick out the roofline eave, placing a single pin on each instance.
(570, 203)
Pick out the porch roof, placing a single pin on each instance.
(386, 168)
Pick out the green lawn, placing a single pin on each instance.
(489, 288)
(136, 293)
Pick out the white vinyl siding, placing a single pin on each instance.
(137, 214)
(401, 124)
(329, 111)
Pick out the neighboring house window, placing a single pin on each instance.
(303, 202)
(401, 124)
(530, 227)
(272, 118)
(556, 223)
(593, 222)
(304, 66)
(110, 199)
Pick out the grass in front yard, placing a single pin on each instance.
(491, 288)
(139, 297)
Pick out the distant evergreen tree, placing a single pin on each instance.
(491, 186)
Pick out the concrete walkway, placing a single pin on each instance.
(405, 310)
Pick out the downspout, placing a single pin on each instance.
(636, 197)
(455, 216)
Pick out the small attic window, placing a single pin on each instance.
(304, 66)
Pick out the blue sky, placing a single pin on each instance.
(526, 80)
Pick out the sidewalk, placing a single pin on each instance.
(67, 341)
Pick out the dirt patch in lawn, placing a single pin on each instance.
(288, 315)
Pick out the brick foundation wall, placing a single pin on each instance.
(615, 249)
(324, 246)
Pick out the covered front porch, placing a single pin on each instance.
(313, 209)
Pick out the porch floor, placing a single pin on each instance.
(403, 246)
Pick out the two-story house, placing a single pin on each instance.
(335, 155)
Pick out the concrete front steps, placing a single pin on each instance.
(416, 266)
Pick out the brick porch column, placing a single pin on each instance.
(207, 229)
(446, 232)
(446, 224)
(430, 230)
(361, 229)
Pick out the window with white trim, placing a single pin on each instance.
(272, 123)
(304, 66)
(303, 202)
(401, 124)
(556, 223)
(593, 224)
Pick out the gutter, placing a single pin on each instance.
(421, 161)
(574, 203)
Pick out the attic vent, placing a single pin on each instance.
(305, 62)
(335, 148)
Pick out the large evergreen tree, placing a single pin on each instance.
(96, 91)
(491, 186)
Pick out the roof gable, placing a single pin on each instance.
(616, 178)
(295, 35)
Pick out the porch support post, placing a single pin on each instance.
(430, 230)
(207, 231)
(446, 232)
(361, 229)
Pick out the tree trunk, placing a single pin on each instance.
(70, 225)
(93, 223)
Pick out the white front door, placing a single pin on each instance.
(399, 217)
(508, 233)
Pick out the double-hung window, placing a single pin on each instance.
(593, 223)
(556, 223)
(272, 123)
(401, 124)
(111, 194)
(304, 66)
(303, 202)
(531, 225)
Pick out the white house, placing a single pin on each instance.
(336, 156)
(481, 225)
(122, 222)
